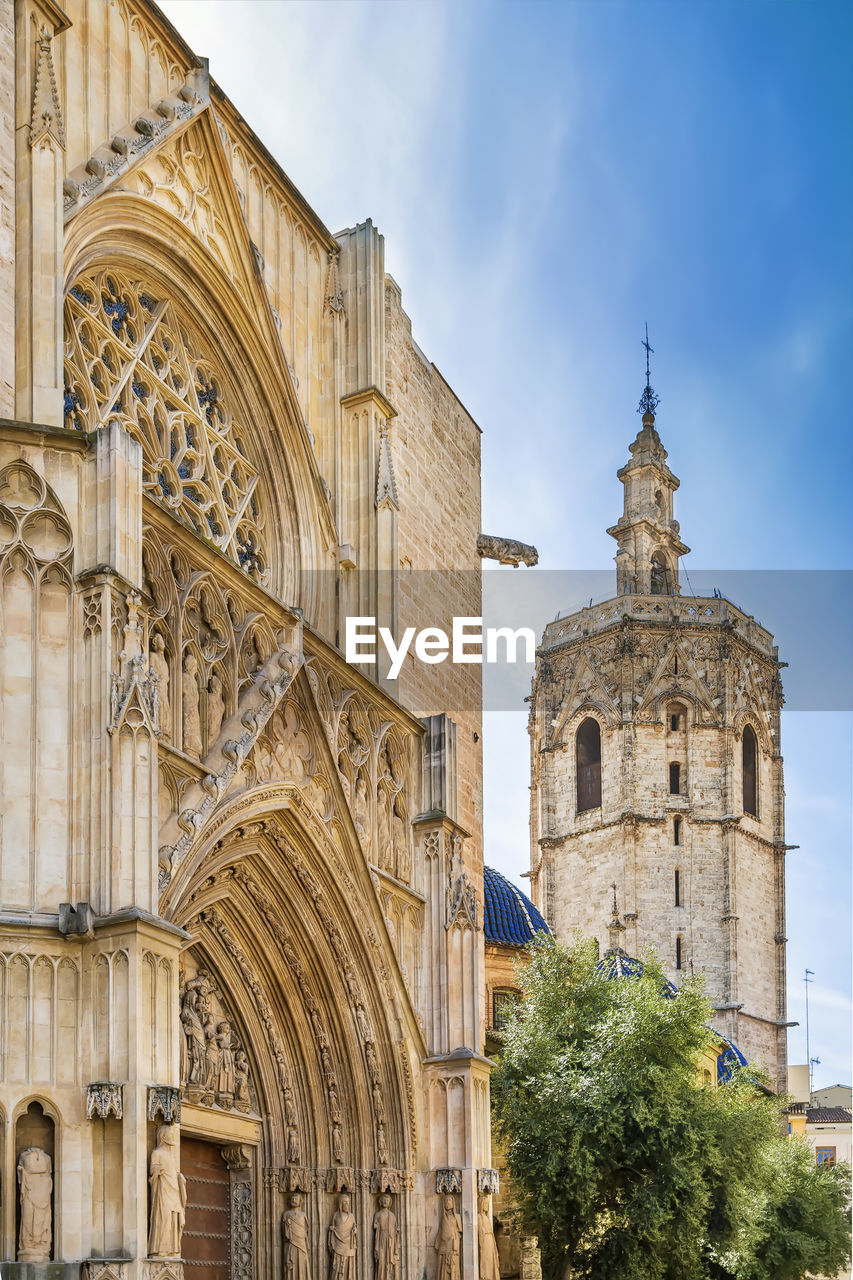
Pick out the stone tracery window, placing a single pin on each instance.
(129, 358)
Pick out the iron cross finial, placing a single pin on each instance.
(648, 401)
(649, 351)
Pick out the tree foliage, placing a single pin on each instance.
(624, 1165)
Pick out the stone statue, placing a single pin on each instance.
(489, 1263)
(158, 664)
(362, 807)
(191, 741)
(168, 1195)
(215, 709)
(342, 1235)
(402, 858)
(386, 1241)
(225, 1077)
(36, 1184)
(241, 1080)
(294, 1230)
(448, 1240)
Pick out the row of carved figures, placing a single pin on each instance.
(214, 1064)
(192, 742)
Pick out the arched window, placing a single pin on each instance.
(679, 952)
(660, 575)
(675, 779)
(750, 771)
(588, 764)
(678, 900)
(503, 1003)
(676, 831)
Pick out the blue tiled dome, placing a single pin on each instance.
(509, 916)
(616, 964)
(729, 1061)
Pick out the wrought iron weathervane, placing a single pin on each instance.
(648, 400)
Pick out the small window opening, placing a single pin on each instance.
(750, 771)
(676, 831)
(660, 575)
(679, 953)
(503, 1003)
(675, 722)
(675, 665)
(588, 765)
(675, 779)
(678, 901)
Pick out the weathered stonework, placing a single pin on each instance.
(673, 685)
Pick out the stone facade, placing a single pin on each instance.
(241, 880)
(647, 714)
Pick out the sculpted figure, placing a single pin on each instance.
(489, 1263)
(36, 1184)
(383, 830)
(293, 751)
(448, 1240)
(362, 807)
(386, 1241)
(402, 860)
(215, 709)
(168, 1195)
(225, 1077)
(194, 1038)
(191, 742)
(212, 1053)
(294, 1230)
(342, 1235)
(241, 1080)
(158, 664)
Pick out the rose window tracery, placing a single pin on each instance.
(130, 359)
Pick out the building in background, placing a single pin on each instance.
(656, 768)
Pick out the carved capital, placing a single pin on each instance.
(104, 1269)
(103, 1097)
(294, 1178)
(164, 1103)
(162, 1269)
(448, 1182)
(342, 1179)
(237, 1156)
(391, 1180)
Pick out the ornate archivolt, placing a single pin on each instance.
(130, 358)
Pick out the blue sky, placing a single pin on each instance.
(549, 176)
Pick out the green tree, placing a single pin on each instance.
(623, 1165)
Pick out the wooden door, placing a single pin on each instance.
(206, 1247)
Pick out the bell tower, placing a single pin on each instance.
(649, 548)
(656, 768)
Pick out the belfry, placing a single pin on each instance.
(657, 768)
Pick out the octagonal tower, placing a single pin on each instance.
(656, 766)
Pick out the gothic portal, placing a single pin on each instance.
(240, 932)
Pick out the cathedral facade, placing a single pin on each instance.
(657, 772)
(241, 949)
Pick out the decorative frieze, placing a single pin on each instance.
(104, 1097)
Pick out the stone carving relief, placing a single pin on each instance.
(214, 921)
(104, 1098)
(164, 1103)
(130, 359)
(35, 1190)
(180, 179)
(461, 894)
(168, 1195)
(488, 1181)
(211, 1053)
(343, 1235)
(46, 114)
(448, 1241)
(134, 694)
(294, 1232)
(386, 1242)
(448, 1181)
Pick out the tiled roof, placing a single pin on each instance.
(729, 1061)
(509, 917)
(829, 1115)
(616, 964)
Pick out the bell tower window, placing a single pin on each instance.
(678, 889)
(679, 952)
(675, 779)
(750, 771)
(588, 764)
(676, 831)
(660, 575)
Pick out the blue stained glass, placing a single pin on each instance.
(139, 390)
(82, 295)
(184, 471)
(165, 487)
(214, 526)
